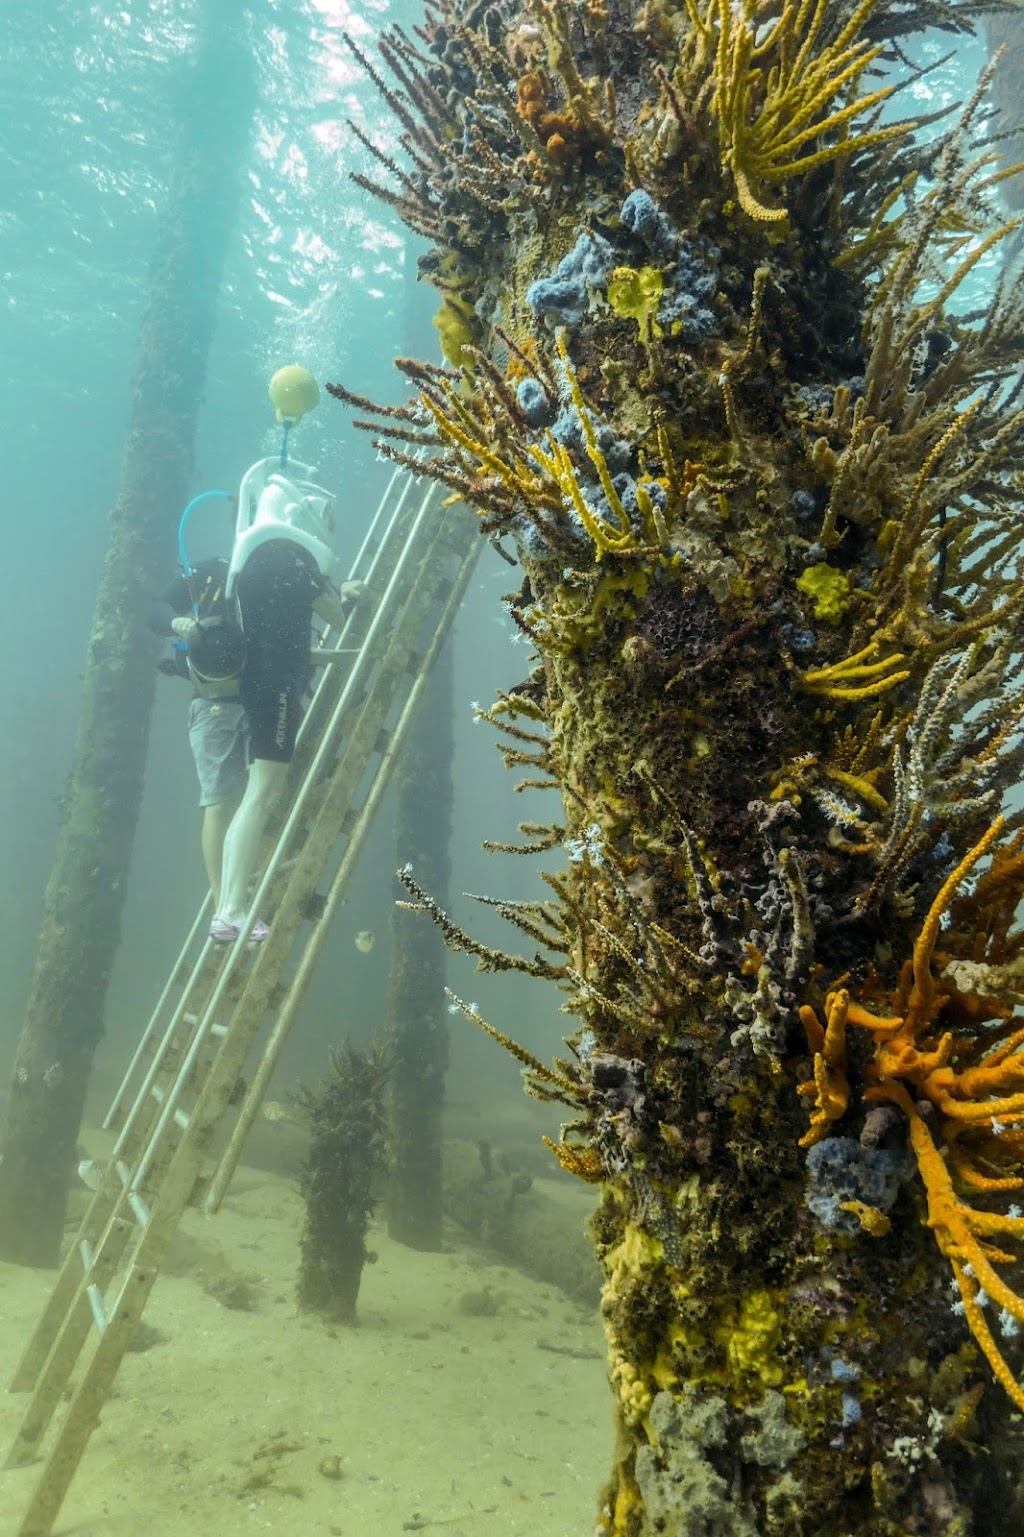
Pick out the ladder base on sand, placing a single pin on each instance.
(199, 1075)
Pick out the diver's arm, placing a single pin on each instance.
(328, 606)
(173, 603)
(334, 606)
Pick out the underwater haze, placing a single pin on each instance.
(319, 274)
(473, 1397)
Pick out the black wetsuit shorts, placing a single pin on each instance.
(276, 590)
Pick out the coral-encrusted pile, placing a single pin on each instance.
(340, 1180)
(713, 379)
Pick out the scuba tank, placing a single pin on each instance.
(215, 656)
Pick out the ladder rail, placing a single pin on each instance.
(61, 1299)
(161, 1152)
(391, 518)
(176, 971)
(54, 1346)
(56, 1359)
(131, 1129)
(388, 511)
(396, 506)
(93, 1390)
(161, 1218)
(275, 940)
(281, 1029)
(395, 593)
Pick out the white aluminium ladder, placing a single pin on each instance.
(209, 1050)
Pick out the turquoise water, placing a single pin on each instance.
(317, 272)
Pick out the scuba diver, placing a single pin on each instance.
(257, 638)
(209, 651)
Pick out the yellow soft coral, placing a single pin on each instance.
(635, 294)
(752, 1339)
(455, 323)
(784, 120)
(830, 590)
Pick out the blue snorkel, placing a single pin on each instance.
(204, 496)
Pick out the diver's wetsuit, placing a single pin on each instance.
(276, 590)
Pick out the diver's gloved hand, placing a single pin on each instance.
(187, 628)
(351, 592)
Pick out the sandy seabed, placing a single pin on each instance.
(236, 1414)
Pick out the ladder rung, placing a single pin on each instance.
(99, 1312)
(187, 1075)
(135, 1201)
(191, 1019)
(140, 1209)
(179, 1115)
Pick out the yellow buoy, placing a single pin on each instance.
(293, 391)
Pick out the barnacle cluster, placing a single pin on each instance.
(735, 376)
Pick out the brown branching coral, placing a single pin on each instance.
(489, 958)
(560, 135)
(541, 1081)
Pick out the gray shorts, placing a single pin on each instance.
(219, 735)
